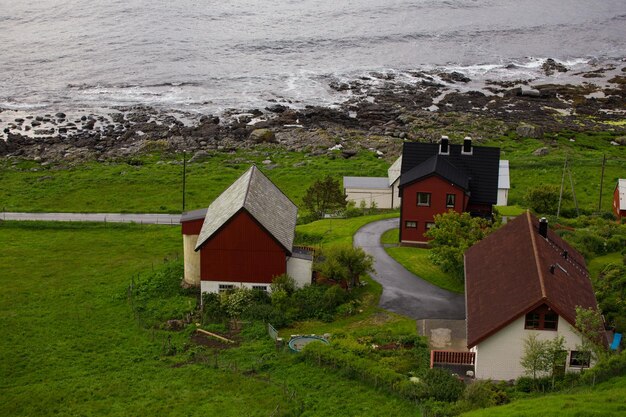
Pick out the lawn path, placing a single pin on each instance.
(403, 292)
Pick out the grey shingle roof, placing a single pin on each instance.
(366, 182)
(256, 194)
(193, 215)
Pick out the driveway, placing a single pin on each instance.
(169, 219)
(403, 292)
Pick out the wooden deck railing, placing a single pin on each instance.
(451, 357)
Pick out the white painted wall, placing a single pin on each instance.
(192, 260)
(382, 197)
(301, 270)
(503, 197)
(498, 357)
(395, 190)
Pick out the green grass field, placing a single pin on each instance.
(154, 183)
(604, 400)
(71, 344)
(340, 231)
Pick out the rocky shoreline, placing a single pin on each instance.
(371, 118)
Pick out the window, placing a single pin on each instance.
(580, 359)
(409, 224)
(430, 225)
(450, 200)
(260, 288)
(542, 318)
(423, 199)
(226, 287)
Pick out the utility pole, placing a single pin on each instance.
(558, 210)
(184, 177)
(601, 182)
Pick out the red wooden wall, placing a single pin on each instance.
(410, 211)
(192, 227)
(619, 213)
(242, 251)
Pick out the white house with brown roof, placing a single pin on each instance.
(523, 279)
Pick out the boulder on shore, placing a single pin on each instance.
(526, 130)
(262, 136)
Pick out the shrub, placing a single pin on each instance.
(283, 283)
(440, 385)
(236, 301)
(482, 394)
(613, 365)
(212, 310)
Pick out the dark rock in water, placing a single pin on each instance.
(550, 66)
(62, 130)
(454, 76)
(19, 120)
(39, 118)
(35, 123)
(262, 136)
(83, 118)
(60, 115)
(89, 125)
(337, 86)
(276, 108)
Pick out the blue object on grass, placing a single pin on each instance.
(617, 338)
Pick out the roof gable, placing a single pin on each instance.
(256, 194)
(438, 165)
(481, 167)
(509, 273)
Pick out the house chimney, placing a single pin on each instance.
(467, 146)
(543, 227)
(565, 254)
(444, 145)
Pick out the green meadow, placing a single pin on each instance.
(72, 345)
(153, 183)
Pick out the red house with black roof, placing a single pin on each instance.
(436, 178)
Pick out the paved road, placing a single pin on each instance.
(404, 292)
(169, 219)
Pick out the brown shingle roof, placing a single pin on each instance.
(507, 275)
(256, 194)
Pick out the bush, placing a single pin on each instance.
(482, 394)
(235, 302)
(440, 385)
(614, 365)
(212, 310)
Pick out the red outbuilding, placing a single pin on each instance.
(619, 199)
(244, 238)
(436, 178)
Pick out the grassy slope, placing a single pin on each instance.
(606, 399)
(156, 186)
(585, 158)
(597, 264)
(71, 346)
(340, 231)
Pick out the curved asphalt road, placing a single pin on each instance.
(403, 292)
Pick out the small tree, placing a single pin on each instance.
(451, 236)
(345, 264)
(534, 361)
(544, 199)
(591, 327)
(323, 197)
